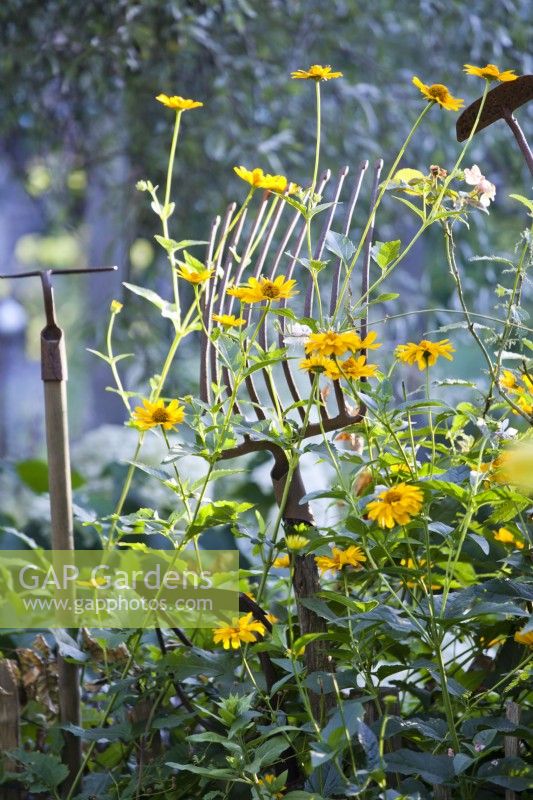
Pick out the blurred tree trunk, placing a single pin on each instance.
(21, 420)
(108, 216)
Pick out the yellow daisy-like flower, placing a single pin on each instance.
(333, 343)
(254, 177)
(425, 353)
(396, 506)
(242, 629)
(195, 276)
(506, 536)
(318, 363)
(282, 562)
(267, 781)
(353, 556)
(151, 415)
(263, 180)
(255, 291)
(316, 73)
(178, 103)
(295, 541)
(357, 368)
(354, 341)
(229, 320)
(524, 637)
(438, 93)
(508, 381)
(491, 73)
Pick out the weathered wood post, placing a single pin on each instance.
(54, 376)
(510, 743)
(9, 722)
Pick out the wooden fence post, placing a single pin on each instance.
(510, 743)
(9, 722)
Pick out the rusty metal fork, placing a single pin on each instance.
(290, 241)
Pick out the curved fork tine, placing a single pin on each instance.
(378, 166)
(222, 285)
(248, 247)
(204, 305)
(291, 384)
(310, 286)
(249, 382)
(346, 230)
(211, 355)
(322, 240)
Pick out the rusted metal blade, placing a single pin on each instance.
(506, 96)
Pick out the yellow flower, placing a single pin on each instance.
(229, 320)
(150, 415)
(177, 102)
(354, 341)
(263, 180)
(316, 73)
(271, 618)
(396, 505)
(353, 556)
(524, 637)
(438, 93)
(508, 381)
(506, 536)
(255, 291)
(267, 781)
(491, 73)
(526, 405)
(282, 562)
(116, 307)
(254, 177)
(318, 363)
(356, 368)
(296, 542)
(332, 343)
(425, 353)
(195, 276)
(242, 629)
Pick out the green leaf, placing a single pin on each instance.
(524, 200)
(148, 294)
(340, 246)
(43, 772)
(410, 205)
(385, 253)
(431, 768)
(171, 246)
(266, 754)
(34, 473)
(121, 732)
(510, 773)
(207, 772)
(219, 512)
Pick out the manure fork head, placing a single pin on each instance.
(278, 233)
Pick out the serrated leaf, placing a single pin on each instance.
(384, 253)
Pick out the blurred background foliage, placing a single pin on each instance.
(79, 127)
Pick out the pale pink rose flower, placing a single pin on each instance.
(473, 176)
(487, 192)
